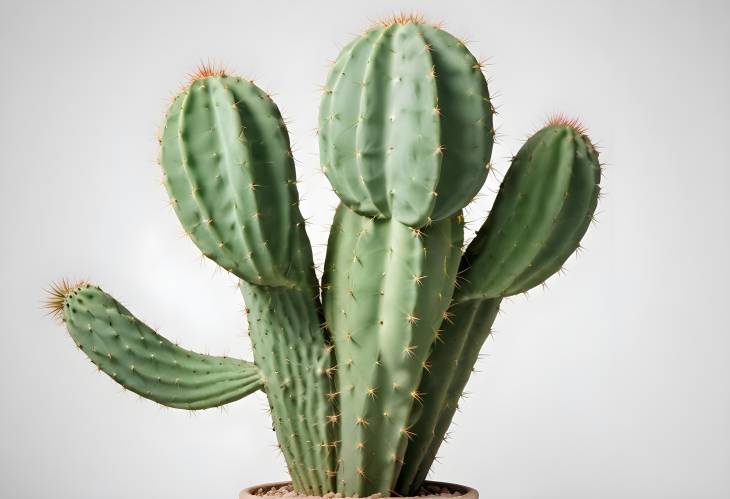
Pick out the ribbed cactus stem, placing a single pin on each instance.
(287, 340)
(387, 287)
(405, 135)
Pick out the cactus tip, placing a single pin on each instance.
(564, 120)
(57, 294)
(402, 18)
(207, 69)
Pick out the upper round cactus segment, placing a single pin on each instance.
(405, 123)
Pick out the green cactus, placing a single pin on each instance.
(143, 361)
(387, 286)
(406, 135)
(405, 124)
(363, 383)
(229, 171)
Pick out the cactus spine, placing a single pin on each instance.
(362, 384)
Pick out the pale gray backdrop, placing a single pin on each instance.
(613, 383)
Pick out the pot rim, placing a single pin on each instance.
(466, 492)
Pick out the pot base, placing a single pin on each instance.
(462, 491)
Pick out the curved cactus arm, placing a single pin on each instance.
(542, 211)
(144, 362)
(230, 174)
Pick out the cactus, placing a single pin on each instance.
(362, 381)
(405, 136)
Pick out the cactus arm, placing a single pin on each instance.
(230, 174)
(542, 211)
(228, 170)
(387, 286)
(144, 362)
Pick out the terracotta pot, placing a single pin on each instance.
(467, 492)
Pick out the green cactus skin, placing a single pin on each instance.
(230, 175)
(147, 364)
(405, 124)
(387, 288)
(543, 209)
(544, 206)
(451, 363)
(286, 335)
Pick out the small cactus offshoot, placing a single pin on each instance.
(363, 373)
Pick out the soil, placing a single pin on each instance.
(429, 490)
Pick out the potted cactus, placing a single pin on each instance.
(363, 372)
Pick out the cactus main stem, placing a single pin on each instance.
(290, 349)
(387, 287)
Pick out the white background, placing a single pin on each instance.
(613, 383)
